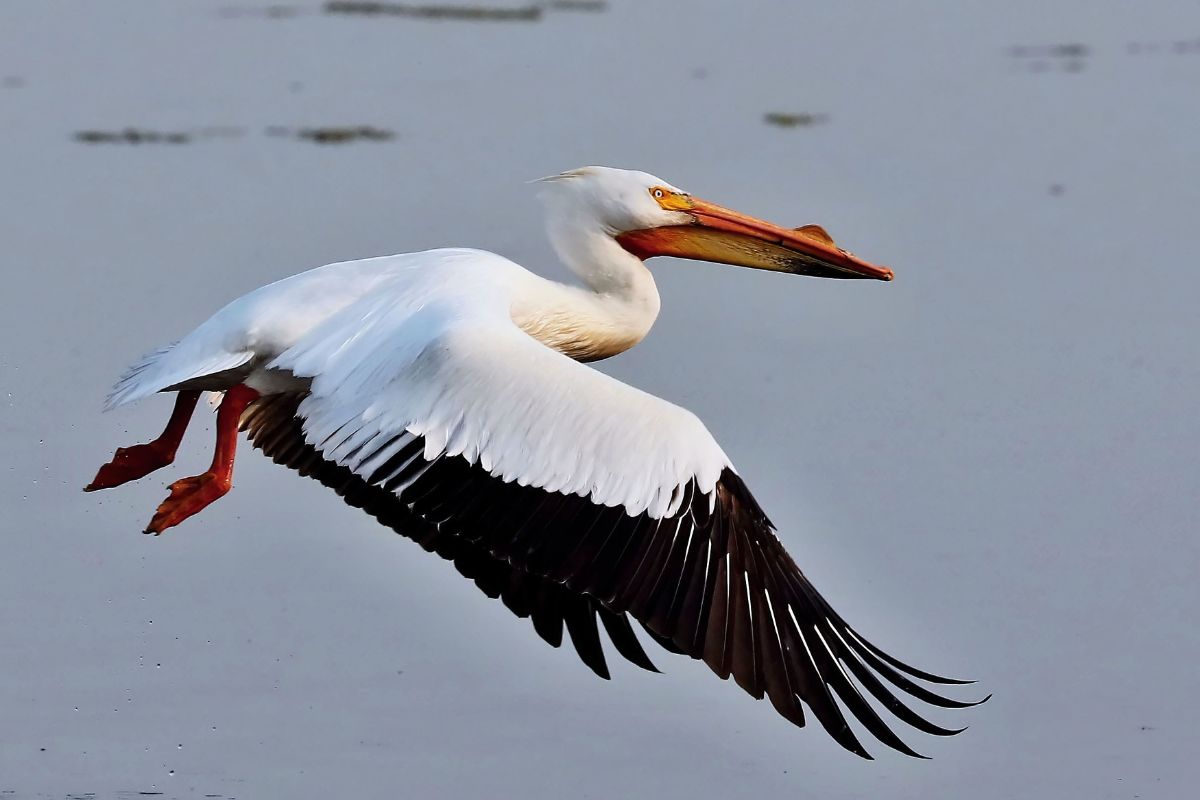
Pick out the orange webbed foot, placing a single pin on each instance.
(129, 464)
(188, 496)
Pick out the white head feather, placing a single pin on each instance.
(616, 200)
(587, 208)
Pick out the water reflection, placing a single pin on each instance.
(531, 13)
(278, 11)
(328, 134)
(1066, 57)
(334, 134)
(802, 120)
(132, 136)
(578, 5)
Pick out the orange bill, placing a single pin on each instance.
(727, 237)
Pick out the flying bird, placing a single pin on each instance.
(445, 392)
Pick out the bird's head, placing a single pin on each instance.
(649, 217)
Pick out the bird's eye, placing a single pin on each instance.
(670, 199)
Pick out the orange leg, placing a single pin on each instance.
(190, 495)
(130, 463)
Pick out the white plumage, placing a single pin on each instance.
(435, 352)
(425, 343)
(444, 393)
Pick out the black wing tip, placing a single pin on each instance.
(895, 743)
(900, 747)
(965, 703)
(948, 731)
(910, 670)
(621, 634)
(920, 674)
(552, 643)
(649, 668)
(943, 681)
(647, 664)
(595, 662)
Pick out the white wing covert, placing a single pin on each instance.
(474, 385)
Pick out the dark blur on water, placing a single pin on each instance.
(988, 465)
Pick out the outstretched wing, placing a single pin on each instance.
(494, 450)
(274, 427)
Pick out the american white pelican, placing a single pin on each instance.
(443, 393)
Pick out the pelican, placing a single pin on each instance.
(445, 393)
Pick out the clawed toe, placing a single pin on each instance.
(187, 496)
(129, 464)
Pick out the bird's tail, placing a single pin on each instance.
(179, 366)
(137, 381)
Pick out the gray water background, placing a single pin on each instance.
(988, 466)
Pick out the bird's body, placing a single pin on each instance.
(279, 339)
(443, 392)
(255, 328)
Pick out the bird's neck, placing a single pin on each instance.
(613, 313)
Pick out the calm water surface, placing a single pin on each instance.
(989, 465)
